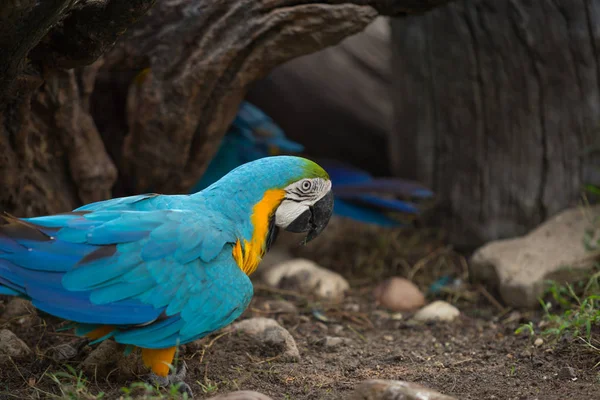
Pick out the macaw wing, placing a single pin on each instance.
(141, 202)
(163, 269)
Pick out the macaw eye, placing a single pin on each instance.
(306, 185)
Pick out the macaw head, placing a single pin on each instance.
(287, 192)
(307, 204)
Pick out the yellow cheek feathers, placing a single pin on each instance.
(248, 254)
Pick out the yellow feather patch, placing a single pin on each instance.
(158, 360)
(248, 254)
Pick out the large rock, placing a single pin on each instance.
(554, 250)
(306, 276)
(379, 389)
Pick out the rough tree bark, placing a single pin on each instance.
(495, 102)
(162, 98)
(51, 156)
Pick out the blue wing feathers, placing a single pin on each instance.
(126, 262)
(8, 291)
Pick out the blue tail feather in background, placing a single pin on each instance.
(358, 195)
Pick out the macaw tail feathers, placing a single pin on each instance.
(366, 215)
(390, 186)
(362, 197)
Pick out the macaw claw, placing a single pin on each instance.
(173, 379)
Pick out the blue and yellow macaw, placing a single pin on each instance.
(155, 271)
(359, 196)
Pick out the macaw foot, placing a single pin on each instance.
(175, 379)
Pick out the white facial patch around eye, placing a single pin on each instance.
(288, 211)
(298, 201)
(297, 192)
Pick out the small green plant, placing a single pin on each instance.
(146, 391)
(208, 386)
(526, 328)
(73, 385)
(576, 314)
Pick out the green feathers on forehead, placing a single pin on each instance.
(313, 170)
(270, 173)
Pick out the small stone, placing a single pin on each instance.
(241, 395)
(306, 276)
(398, 294)
(379, 389)
(396, 316)
(352, 307)
(65, 351)
(279, 307)
(380, 317)
(268, 332)
(321, 327)
(108, 356)
(519, 267)
(538, 342)
(17, 307)
(388, 338)
(438, 310)
(102, 359)
(331, 342)
(567, 373)
(12, 346)
(525, 354)
(20, 312)
(336, 329)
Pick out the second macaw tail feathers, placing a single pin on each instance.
(363, 214)
(367, 199)
(390, 186)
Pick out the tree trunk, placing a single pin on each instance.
(51, 156)
(336, 102)
(495, 102)
(149, 114)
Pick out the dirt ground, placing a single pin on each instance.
(477, 356)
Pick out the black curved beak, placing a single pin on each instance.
(315, 219)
